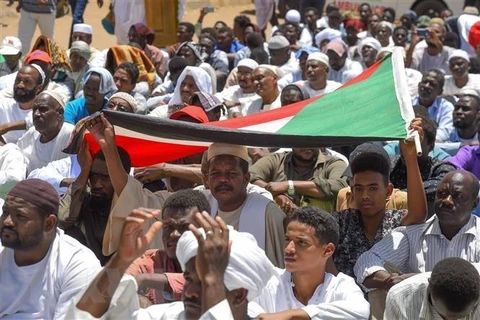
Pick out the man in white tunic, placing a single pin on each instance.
(317, 71)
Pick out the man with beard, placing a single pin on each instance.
(459, 65)
(265, 81)
(439, 109)
(342, 68)
(28, 83)
(300, 177)
(238, 98)
(465, 122)
(42, 269)
(317, 69)
(432, 56)
(368, 49)
(84, 211)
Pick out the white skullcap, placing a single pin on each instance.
(248, 63)
(278, 42)
(469, 91)
(385, 24)
(248, 266)
(55, 96)
(83, 28)
(328, 33)
(278, 72)
(458, 53)
(40, 71)
(293, 16)
(319, 56)
(371, 42)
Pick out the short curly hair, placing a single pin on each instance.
(187, 199)
(325, 225)
(456, 283)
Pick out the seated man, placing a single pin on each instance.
(216, 58)
(11, 50)
(300, 290)
(300, 177)
(452, 232)
(208, 259)
(265, 81)
(157, 272)
(42, 269)
(459, 65)
(13, 168)
(450, 291)
(317, 69)
(84, 213)
(79, 56)
(281, 55)
(125, 78)
(342, 68)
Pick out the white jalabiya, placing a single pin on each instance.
(338, 297)
(330, 86)
(12, 168)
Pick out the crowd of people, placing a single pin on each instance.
(368, 231)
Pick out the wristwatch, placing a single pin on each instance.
(291, 188)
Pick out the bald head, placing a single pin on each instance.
(468, 179)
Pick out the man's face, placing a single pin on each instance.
(226, 180)
(465, 112)
(305, 155)
(387, 16)
(25, 87)
(311, 18)
(207, 45)
(46, 113)
(245, 77)
(183, 35)
(123, 81)
(175, 223)
(264, 81)
(430, 87)
(369, 192)
(291, 34)
(406, 21)
(351, 35)
(365, 12)
(459, 67)
(279, 57)
(189, 55)
(290, 95)
(80, 36)
(316, 71)
(101, 187)
(224, 40)
(90, 91)
(118, 104)
(438, 30)
(383, 33)
(12, 60)
(21, 225)
(454, 201)
(192, 291)
(446, 14)
(334, 20)
(77, 61)
(369, 54)
(187, 88)
(336, 62)
(373, 21)
(400, 37)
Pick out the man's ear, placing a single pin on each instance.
(239, 297)
(329, 250)
(51, 223)
(389, 189)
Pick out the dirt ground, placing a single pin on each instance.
(93, 15)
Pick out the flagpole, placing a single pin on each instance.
(418, 145)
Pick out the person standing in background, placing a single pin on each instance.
(33, 13)
(78, 9)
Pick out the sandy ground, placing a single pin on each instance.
(93, 15)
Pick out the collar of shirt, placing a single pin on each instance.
(321, 158)
(433, 108)
(434, 227)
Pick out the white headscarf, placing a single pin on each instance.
(248, 266)
(328, 33)
(107, 85)
(201, 78)
(371, 42)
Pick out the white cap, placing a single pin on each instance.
(248, 63)
(458, 53)
(10, 46)
(293, 16)
(469, 91)
(319, 56)
(328, 33)
(83, 28)
(278, 42)
(371, 42)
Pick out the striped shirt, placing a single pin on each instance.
(418, 248)
(408, 300)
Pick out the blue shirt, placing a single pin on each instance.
(441, 111)
(76, 110)
(234, 47)
(393, 149)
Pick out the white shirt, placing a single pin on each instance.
(56, 171)
(60, 88)
(423, 62)
(257, 105)
(236, 94)
(291, 65)
(408, 300)
(10, 112)
(12, 168)
(350, 70)
(331, 86)
(418, 248)
(44, 290)
(338, 297)
(450, 89)
(40, 154)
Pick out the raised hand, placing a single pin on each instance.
(101, 130)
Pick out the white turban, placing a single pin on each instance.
(459, 53)
(248, 63)
(202, 80)
(318, 56)
(107, 85)
(369, 41)
(248, 266)
(385, 24)
(127, 98)
(328, 33)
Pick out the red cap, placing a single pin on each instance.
(474, 36)
(356, 24)
(194, 112)
(38, 55)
